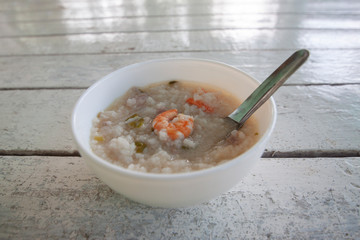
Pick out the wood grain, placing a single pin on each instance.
(179, 23)
(51, 51)
(39, 120)
(212, 40)
(282, 198)
(18, 11)
(74, 71)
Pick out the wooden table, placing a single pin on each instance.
(306, 186)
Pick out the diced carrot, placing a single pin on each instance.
(200, 104)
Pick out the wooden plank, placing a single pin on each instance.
(292, 198)
(214, 40)
(317, 118)
(37, 120)
(176, 23)
(52, 198)
(310, 118)
(18, 11)
(323, 67)
(46, 4)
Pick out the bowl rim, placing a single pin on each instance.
(168, 176)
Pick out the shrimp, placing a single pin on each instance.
(200, 104)
(175, 125)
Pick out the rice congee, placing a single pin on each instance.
(170, 127)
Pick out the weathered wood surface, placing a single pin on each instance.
(56, 198)
(180, 23)
(205, 40)
(15, 12)
(39, 120)
(52, 50)
(64, 71)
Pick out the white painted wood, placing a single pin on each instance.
(59, 198)
(214, 40)
(18, 11)
(52, 198)
(176, 23)
(37, 120)
(316, 118)
(323, 67)
(48, 5)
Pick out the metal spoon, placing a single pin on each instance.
(262, 93)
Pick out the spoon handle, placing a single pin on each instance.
(269, 86)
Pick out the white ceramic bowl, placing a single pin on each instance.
(180, 189)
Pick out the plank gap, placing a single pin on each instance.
(312, 154)
(266, 154)
(318, 13)
(172, 51)
(320, 84)
(171, 30)
(86, 87)
(42, 88)
(45, 153)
